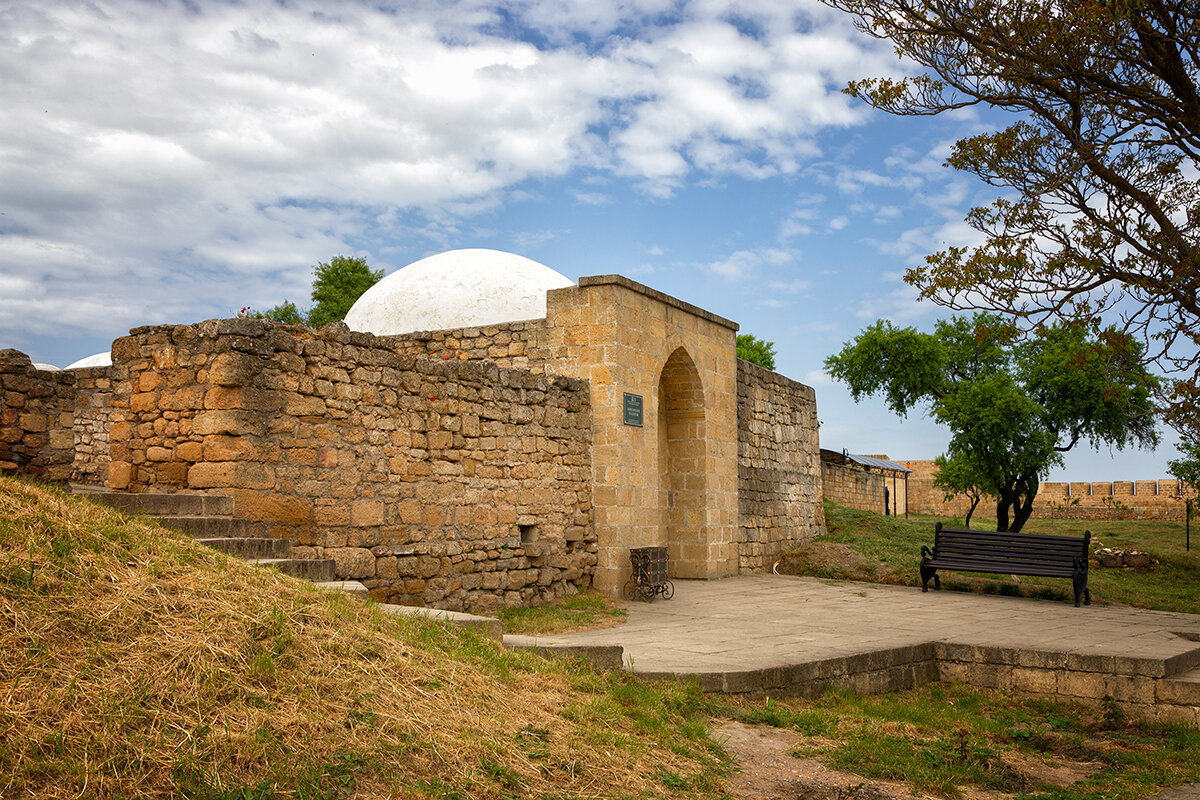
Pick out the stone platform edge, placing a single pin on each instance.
(1141, 686)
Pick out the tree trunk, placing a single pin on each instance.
(970, 511)
(1003, 503)
(1023, 508)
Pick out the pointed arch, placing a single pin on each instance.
(682, 451)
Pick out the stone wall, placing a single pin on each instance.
(778, 491)
(456, 484)
(36, 416)
(510, 344)
(1156, 499)
(1152, 500)
(852, 486)
(93, 408)
(671, 480)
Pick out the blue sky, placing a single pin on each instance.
(173, 162)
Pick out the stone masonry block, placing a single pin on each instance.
(351, 563)
(366, 513)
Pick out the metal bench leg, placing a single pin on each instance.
(926, 574)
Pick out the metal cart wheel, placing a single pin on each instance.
(630, 590)
(647, 593)
(668, 590)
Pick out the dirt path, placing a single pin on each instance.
(769, 773)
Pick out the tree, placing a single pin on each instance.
(958, 476)
(756, 351)
(1013, 405)
(337, 284)
(1105, 223)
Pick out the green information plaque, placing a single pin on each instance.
(633, 409)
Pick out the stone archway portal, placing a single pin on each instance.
(682, 466)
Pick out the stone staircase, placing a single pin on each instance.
(209, 520)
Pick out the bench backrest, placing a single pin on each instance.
(1005, 547)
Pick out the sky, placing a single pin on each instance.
(170, 162)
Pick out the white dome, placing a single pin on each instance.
(456, 289)
(99, 360)
(46, 367)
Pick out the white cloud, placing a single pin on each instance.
(791, 287)
(743, 262)
(593, 198)
(816, 378)
(240, 143)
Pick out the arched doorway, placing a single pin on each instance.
(682, 466)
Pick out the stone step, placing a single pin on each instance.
(1191, 676)
(489, 627)
(250, 548)
(161, 505)
(310, 569)
(212, 527)
(353, 588)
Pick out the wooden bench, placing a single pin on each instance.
(1008, 554)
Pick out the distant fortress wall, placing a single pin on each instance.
(1162, 499)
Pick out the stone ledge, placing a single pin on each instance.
(602, 656)
(489, 627)
(654, 294)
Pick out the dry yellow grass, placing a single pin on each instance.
(135, 663)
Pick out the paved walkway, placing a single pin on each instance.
(764, 622)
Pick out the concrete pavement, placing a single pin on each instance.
(785, 635)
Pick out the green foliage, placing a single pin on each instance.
(1013, 405)
(337, 284)
(1187, 469)
(957, 476)
(756, 351)
(286, 312)
(1098, 220)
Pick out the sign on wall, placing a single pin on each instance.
(633, 409)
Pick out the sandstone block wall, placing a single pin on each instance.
(853, 487)
(36, 416)
(779, 502)
(510, 344)
(93, 408)
(445, 483)
(671, 481)
(1150, 500)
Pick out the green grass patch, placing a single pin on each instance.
(588, 610)
(956, 741)
(866, 546)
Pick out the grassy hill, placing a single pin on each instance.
(139, 664)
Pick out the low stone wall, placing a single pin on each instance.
(1155, 500)
(447, 483)
(93, 409)
(778, 466)
(1134, 500)
(36, 415)
(852, 486)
